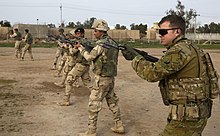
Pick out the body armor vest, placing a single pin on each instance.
(106, 64)
(29, 39)
(18, 37)
(191, 82)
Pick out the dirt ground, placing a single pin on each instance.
(28, 100)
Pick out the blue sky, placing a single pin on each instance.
(124, 12)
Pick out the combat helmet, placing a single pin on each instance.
(100, 24)
(72, 32)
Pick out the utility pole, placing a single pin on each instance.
(61, 13)
(195, 26)
(37, 29)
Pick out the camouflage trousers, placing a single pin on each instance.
(62, 63)
(18, 49)
(60, 52)
(103, 88)
(77, 71)
(66, 69)
(184, 128)
(29, 49)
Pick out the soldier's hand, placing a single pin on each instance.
(129, 53)
(77, 44)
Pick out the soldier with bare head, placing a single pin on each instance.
(184, 79)
(28, 39)
(18, 48)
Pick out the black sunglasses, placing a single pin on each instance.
(163, 32)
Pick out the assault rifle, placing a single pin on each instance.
(132, 52)
(85, 44)
(107, 45)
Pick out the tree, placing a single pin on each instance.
(5, 23)
(211, 28)
(71, 25)
(214, 28)
(187, 15)
(51, 25)
(119, 27)
(88, 23)
(141, 27)
(79, 24)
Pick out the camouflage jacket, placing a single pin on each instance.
(105, 59)
(179, 61)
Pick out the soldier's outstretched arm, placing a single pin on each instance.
(93, 54)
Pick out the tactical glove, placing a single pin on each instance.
(129, 53)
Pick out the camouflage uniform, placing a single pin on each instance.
(64, 58)
(29, 40)
(18, 47)
(60, 51)
(81, 69)
(183, 84)
(105, 69)
(67, 62)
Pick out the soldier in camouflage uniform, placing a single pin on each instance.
(18, 39)
(80, 69)
(60, 49)
(28, 39)
(183, 79)
(105, 62)
(67, 62)
(66, 48)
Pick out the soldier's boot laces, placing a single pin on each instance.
(65, 102)
(118, 128)
(87, 133)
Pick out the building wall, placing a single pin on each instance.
(37, 31)
(115, 34)
(4, 33)
(42, 32)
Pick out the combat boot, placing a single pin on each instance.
(118, 128)
(65, 102)
(54, 67)
(60, 84)
(76, 83)
(87, 133)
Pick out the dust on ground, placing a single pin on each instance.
(28, 100)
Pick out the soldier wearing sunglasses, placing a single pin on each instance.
(183, 79)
